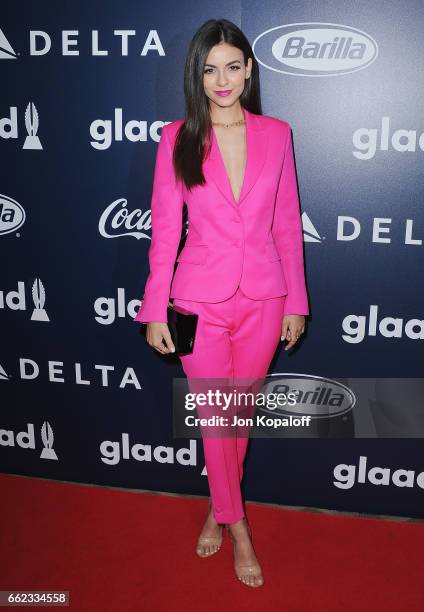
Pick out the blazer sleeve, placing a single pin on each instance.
(166, 215)
(288, 234)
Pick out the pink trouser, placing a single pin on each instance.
(236, 338)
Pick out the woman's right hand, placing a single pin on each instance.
(159, 337)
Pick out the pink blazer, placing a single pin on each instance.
(256, 243)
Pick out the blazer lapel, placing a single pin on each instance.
(256, 150)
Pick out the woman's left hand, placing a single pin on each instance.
(292, 328)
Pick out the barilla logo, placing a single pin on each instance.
(315, 49)
(315, 396)
(12, 215)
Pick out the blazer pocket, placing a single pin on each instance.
(271, 251)
(194, 254)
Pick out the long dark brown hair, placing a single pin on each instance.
(192, 141)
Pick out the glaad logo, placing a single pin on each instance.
(346, 475)
(355, 327)
(315, 49)
(9, 126)
(112, 452)
(40, 43)
(12, 215)
(117, 221)
(315, 396)
(6, 51)
(15, 300)
(26, 439)
(367, 140)
(104, 132)
(108, 309)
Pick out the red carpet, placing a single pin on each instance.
(117, 551)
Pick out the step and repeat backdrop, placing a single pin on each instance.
(85, 90)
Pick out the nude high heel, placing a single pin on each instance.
(244, 572)
(212, 544)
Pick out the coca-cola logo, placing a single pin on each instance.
(117, 220)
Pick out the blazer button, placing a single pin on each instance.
(237, 243)
(236, 220)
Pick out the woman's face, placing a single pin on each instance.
(225, 71)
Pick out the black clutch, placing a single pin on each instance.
(182, 326)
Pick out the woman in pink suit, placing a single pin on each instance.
(241, 269)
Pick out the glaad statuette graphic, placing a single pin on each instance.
(39, 298)
(31, 123)
(47, 437)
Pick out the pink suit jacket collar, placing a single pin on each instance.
(256, 152)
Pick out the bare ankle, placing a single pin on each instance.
(238, 527)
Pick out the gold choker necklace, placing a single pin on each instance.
(239, 122)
